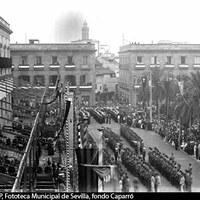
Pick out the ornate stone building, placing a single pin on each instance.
(37, 65)
(137, 60)
(6, 76)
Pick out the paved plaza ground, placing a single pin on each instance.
(151, 139)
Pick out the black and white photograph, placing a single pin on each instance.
(99, 99)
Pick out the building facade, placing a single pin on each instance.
(106, 84)
(6, 77)
(110, 63)
(38, 65)
(137, 61)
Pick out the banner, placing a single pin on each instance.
(88, 179)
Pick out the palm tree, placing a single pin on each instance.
(188, 104)
(157, 84)
(195, 94)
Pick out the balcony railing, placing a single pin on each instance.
(54, 67)
(169, 66)
(183, 66)
(85, 85)
(5, 71)
(24, 67)
(38, 86)
(38, 66)
(154, 65)
(24, 85)
(196, 66)
(140, 66)
(85, 67)
(70, 66)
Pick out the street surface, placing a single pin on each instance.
(151, 139)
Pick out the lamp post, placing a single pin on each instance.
(144, 80)
(135, 92)
(150, 92)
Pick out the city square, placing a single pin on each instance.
(78, 118)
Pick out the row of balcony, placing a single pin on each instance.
(168, 66)
(52, 86)
(54, 67)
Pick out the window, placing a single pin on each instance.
(24, 60)
(71, 79)
(52, 79)
(154, 60)
(39, 80)
(54, 60)
(82, 79)
(169, 60)
(85, 60)
(24, 80)
(105, 88)
(183, 60)
(197, 60)
(70, 60)
(139, 59)
(38, 60)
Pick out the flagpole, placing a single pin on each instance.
(150, 88)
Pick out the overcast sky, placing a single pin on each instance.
(142, 21)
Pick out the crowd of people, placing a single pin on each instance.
(171, 170)
(171, 130)
(9, 165)
(129, 116)
(17, 143)
(133, 162)
(134, 140)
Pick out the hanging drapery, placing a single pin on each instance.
(57, 95)
(65, 118)
(56, 89)
(102, 172)
(88, 179)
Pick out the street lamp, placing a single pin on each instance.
(150, 92)
(135, 91)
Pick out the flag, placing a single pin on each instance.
(88, 179)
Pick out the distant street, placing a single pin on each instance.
(152, 139)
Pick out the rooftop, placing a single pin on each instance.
(52, 47)
(4, 22)
(5, 25)
(160, 47)
(102, 70)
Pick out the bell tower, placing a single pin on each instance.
(85, 31)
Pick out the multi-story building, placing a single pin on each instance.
(137, 60)
(106, 83)
(109, 62)
(5, 73)
(37, 65)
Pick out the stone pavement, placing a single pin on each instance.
(151, 139)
